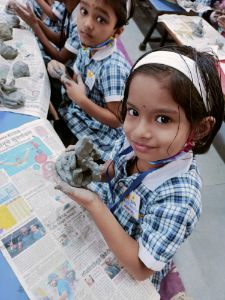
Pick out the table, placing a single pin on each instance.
(181, 29)
(10, 287)
(158, 8)
(9, 120)
(14, 290)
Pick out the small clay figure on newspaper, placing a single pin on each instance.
(5, 32)
(219, 43)
(80, 165)
(21, 69)
(8, 52)
(198, 29)
(10, 95)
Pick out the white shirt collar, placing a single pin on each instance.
(173, 169)
(105, 52)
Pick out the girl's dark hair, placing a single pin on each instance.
(120, 9)
(184, 92)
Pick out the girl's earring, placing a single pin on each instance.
(189, 145)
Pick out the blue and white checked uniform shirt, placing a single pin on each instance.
(35, 7)
(109, 71)
(73, 42)
(58, 10)
(170, 206)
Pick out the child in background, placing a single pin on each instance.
(39, 7)
(51, 13)
(212, 16)
(172, 109)
(100, 71)
(62, 45)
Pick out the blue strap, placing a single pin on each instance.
(132, 186)
(124, 152)
(139, 178)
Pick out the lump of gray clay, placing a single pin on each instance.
(5, 32)
(9, 9)
(20, 69)
(198, 29)
(80, 166)
(10, 96)
(219, 43)
(12, 20)
(8, 52)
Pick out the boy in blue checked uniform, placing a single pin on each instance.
(100, 73)
(152, 200)
(54, 42)
(110, 71)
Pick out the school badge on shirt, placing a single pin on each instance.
(90, 80)
(132, 205)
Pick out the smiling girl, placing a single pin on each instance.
(172, 109)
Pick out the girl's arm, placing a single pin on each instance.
(123, 246)
(47, 9)
(107, 116)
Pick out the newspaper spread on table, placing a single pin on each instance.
(36, 87)
(51, 243)
(182, 27)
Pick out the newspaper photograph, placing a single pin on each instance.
(50, 242)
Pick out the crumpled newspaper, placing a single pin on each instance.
(196, 6)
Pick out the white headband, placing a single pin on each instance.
(128, 6)
(180, 62)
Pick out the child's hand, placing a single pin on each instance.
(108, 165)
(56, 69)
(75, 91)
(221, 22)
(214, 15)
(70, 148)
(83, 197)
(26, 13)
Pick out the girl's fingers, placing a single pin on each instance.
(65, 188)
